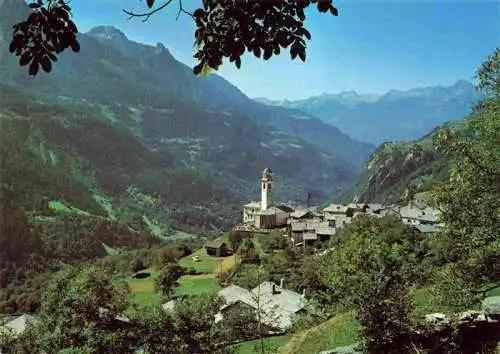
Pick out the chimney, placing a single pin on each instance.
(304, 293)
(282, 283)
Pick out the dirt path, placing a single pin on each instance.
(292, 346)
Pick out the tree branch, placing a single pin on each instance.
(181, 9)
(148, 14)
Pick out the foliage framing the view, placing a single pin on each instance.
(469, 199)
(224, 29)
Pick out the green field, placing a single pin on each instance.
(207, 264)
(271, 344)
(196, 284)
(145, 294)
(341, 330)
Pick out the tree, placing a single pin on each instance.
(137, 266)
(195, 318)
(469, 198)
(248, 252)
(224, 29)
(371, 268)
(79, 311)
(166, 282)
(236, 238)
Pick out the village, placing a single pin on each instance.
(274, 304)
(302, 227)
(306, 226)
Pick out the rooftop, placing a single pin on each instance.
(214, 243)
(278, 304)
(252, 205)
(336, 208)
(18, 325)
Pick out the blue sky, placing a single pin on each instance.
(372, 47)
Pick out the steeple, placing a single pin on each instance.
(266, 189)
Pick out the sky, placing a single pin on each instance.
(373, 46)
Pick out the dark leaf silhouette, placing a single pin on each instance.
(197, 69)
(33, 68)
(302, 54)
(224, 29)
(25, 58)
(46, 64)
(324, 5)
(75, 46)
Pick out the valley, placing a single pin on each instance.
(144, 209)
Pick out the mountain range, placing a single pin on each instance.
(121, 140)
(123, 134)
(394, 116)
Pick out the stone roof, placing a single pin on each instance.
(121, 318)
(271, 211)
(356, 205)
(214, 243)
(425, 229)
(300, 213)
(425, 214)
(18, 325)
(340, 208)
(285, 208)
(317, 227)
(169, 306)
(252, 205)
(375, 207)
(234, 293)
(278, 306)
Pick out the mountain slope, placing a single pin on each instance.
(394, 167)
(215, 92)
(395, 116)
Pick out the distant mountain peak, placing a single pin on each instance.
(106, 32)
(11, 12)
(463, 84)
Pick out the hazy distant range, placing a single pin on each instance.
(394, 116)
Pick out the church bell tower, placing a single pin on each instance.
(266, 189)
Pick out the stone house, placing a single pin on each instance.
(249, 211)
(335, 215)
(418, 214)
(271, 218)
(278, 306)
(307, 232)
(216, 248)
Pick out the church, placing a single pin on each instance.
(264, 214)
